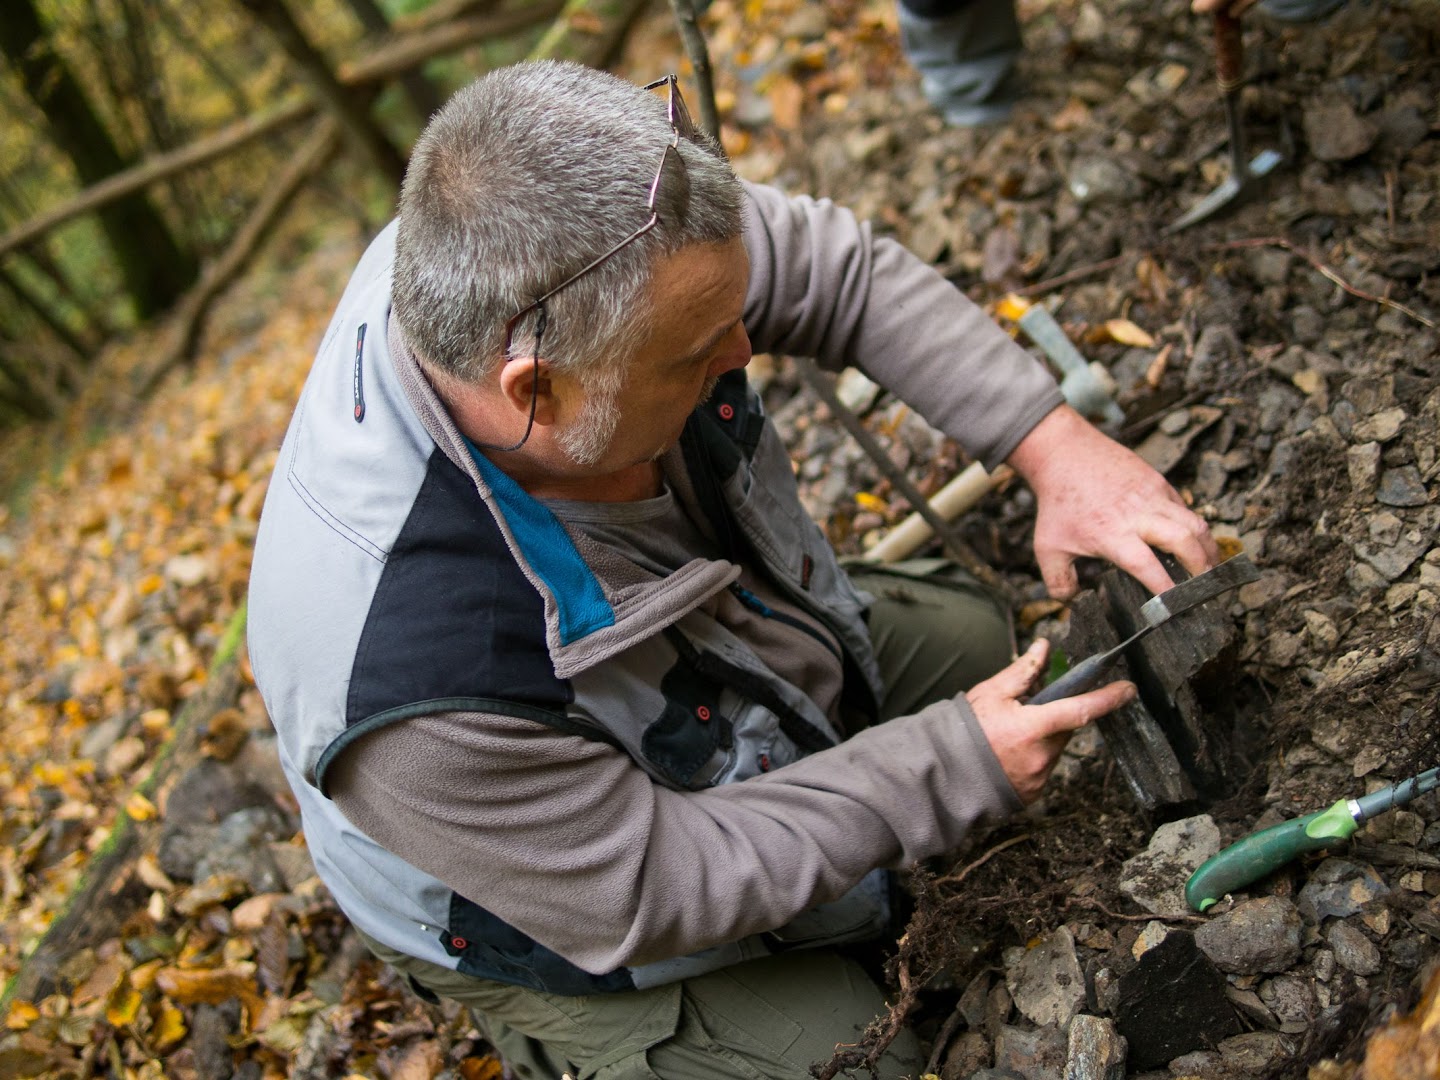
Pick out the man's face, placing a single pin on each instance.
(697, 297)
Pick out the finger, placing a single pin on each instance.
(1186, 536)
(1017, 678)
(1138, 560)
(1058, 571)
(1072, 713)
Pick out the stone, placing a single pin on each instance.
(1046, 982)
(1096, 1050)
(1171, 1002)
(1249, 1005)
(1353, 950)
(1379, 427)
(1254, 936)
(1362, 462)
(1102, 179)
(1402, 487)
(1334, 131)
(1292, 1000)
(968, 1053)
(1254, 1052)
(1037, 1054)
(1155, 879)
(1339, 888)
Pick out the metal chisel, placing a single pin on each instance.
(1154, 613)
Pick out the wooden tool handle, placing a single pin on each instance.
(1229, 51)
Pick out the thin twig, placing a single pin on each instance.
(956, 879)
(1088, 902)
(1323, 269)
(699, 54)
(942, 1040)
(957, 549)
(1080, 273)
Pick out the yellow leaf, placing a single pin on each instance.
(1127, 333)
(169, 1027)
(150, 583)
(1012, 307)
(124, 1006)
(139, 807)
(21, 1015)
(871, 502)
(1229, 546)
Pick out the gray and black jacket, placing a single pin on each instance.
(398, 574)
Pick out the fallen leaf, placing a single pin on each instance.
(21, 1015)
(1125, 332)
(169, 1026)
(484, 1068)
(421, 1061)
(212, 986)
(871, 502)
(139, 807)
(124, 1006)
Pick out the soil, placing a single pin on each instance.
(1303, 321)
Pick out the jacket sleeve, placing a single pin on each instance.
(570, 841)
(822, 286)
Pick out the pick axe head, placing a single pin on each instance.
(1232, 190)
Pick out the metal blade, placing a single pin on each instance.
(1367, 806)
(1231, 573)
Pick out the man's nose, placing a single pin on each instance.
(734, 352)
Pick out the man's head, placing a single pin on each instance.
(523, 179)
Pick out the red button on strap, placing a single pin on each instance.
(703, 712)
(727, 412)
(459, 942)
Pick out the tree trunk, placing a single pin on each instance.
(423, 97)
(349, 108)
(155, 267)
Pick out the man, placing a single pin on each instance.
(578, 705)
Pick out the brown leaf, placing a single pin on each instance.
(421, 1061)
(273, 953)
(213, 986)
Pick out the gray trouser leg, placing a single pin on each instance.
(966, 60)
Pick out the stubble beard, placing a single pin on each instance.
(587, 440)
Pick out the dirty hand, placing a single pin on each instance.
(1029, 738)
(1095, 497)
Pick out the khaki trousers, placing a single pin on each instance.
(936, 633)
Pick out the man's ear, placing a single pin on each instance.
(522, 377)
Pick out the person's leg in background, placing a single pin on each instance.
(936, 631)
(966, 52)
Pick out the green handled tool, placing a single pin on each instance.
(1269, 849)
(1155, 612)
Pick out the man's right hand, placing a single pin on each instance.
(1028, 739)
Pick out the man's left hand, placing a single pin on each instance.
(1095, 497)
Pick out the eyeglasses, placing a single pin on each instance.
(676, 179)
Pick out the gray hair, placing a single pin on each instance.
(525, 176)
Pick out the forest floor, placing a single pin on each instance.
(1280, 362)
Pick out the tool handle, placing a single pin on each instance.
(1086, 675)
(1265, 852)
(1229, 51)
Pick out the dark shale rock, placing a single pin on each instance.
(1173, 1001)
